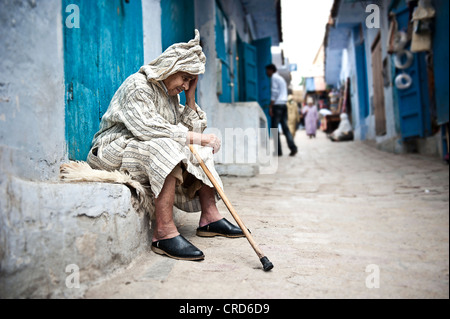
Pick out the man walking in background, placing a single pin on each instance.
(278, 108)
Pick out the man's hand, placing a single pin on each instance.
(213, 141)
(271, 108)
(210, 140)
(190, 94)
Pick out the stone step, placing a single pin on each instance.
(49, 230)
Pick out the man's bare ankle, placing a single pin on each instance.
(209, 219)
(164, 235)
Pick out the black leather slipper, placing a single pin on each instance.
(220, 228)
(178, 248)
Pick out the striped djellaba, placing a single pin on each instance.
(144, 130)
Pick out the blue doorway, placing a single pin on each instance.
(98, 56)
(177, 25)
(414, 104)
(362, 82)
(264, 54)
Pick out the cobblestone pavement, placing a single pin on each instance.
(330, 214)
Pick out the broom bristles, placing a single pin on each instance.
(79, 172)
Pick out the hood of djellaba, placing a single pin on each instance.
(179, 57)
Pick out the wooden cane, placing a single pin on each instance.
(267, 265)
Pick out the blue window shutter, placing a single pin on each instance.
(98, 57)
(222, 55)
(249, 78)
(264, 58)
(236, 71)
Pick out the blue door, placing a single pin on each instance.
(98, 56)
(363, 95)
(361, 75)
(264, 58)
(440, 59)
(177, 21)
(222, 43)
(413, 102)
(177, 25)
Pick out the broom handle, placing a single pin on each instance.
(227, 203)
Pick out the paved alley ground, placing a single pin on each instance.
(328, 215)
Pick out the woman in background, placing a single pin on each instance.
(311, 116)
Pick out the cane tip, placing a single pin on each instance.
(267, 265)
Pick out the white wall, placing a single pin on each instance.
(151, 12)
(205, 15)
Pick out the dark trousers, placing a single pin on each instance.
(280, 117)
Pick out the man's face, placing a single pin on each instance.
(269, 73)
(178, 82)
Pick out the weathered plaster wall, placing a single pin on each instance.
(32, 141)
(205, 13)
(242, 131)
(47, 226)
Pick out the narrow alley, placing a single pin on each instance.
(330, 214)
(98, 99)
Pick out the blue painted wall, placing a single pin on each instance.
(98, 57)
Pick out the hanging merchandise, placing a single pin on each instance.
(397, 39)
(403, 81)
(423, 19)
(398, 60)
(400, 41)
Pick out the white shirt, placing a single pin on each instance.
(279, 89)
